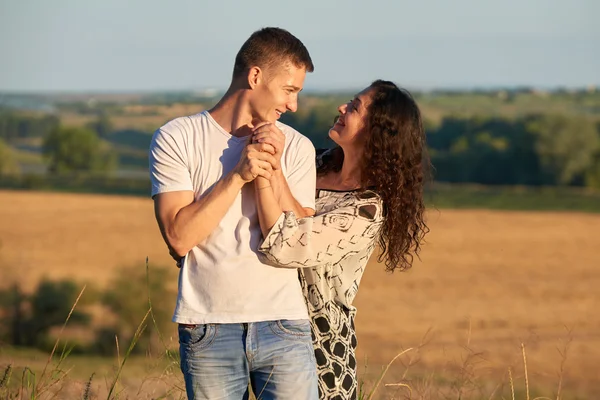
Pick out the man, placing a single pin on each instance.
(239, 320)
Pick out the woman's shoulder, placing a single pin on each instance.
(362, 203)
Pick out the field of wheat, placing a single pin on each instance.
(497, 297)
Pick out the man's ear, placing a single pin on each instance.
(255, 77)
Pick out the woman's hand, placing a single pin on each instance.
(268, 133)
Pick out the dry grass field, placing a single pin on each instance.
(137, 116)
(488, 283)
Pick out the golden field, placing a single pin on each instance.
(487, 283)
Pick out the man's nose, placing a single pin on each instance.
(292, 105)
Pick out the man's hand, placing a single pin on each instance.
(256, 160)
(269, 133)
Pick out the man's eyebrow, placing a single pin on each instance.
(296, 88)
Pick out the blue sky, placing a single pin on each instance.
(134, 45)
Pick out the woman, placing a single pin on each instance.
(369, 192)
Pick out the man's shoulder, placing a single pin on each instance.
(181, 125)
(296, 138)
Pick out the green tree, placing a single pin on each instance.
(103, 126)
(12, 301)
(128, 299)
(474, 149)
(28, 319)
(565, 146)
(77, 150)
(8, 164)
(591, 177)
(15, 125)
(50, 306)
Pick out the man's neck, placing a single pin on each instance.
(232, 113)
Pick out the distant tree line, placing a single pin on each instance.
(530, 150)
(20, 126)
(535, 149)
(65, 149)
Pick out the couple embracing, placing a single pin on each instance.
(273, 236)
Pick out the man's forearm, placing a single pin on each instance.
(195, 222)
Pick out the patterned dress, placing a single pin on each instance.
(331, 249)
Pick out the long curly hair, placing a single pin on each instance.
(396, 166)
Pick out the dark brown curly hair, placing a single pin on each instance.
(396, 166)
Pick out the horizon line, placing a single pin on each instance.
(213, 91)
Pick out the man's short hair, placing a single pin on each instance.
(269, 47)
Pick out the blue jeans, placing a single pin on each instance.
(275, 357)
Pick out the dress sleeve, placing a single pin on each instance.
(326, 237)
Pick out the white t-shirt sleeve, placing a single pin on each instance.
(169, 171)
(302, 176)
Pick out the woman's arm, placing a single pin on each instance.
(314, 241)
(274, 196)
(284, 196)
(267, 204)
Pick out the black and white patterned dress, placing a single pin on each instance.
(331, 249)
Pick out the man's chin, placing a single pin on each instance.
(260, 120)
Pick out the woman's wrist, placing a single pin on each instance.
(262, 183)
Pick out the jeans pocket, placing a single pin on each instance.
(196, 337)
(295, 329)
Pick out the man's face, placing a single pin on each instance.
(277, 92)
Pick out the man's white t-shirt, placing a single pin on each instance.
(222, 279)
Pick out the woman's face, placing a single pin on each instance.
(349, 130)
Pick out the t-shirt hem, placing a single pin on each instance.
(165, 189)
(233, 319)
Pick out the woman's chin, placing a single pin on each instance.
(333, 134)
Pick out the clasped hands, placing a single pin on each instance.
(262, 155)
